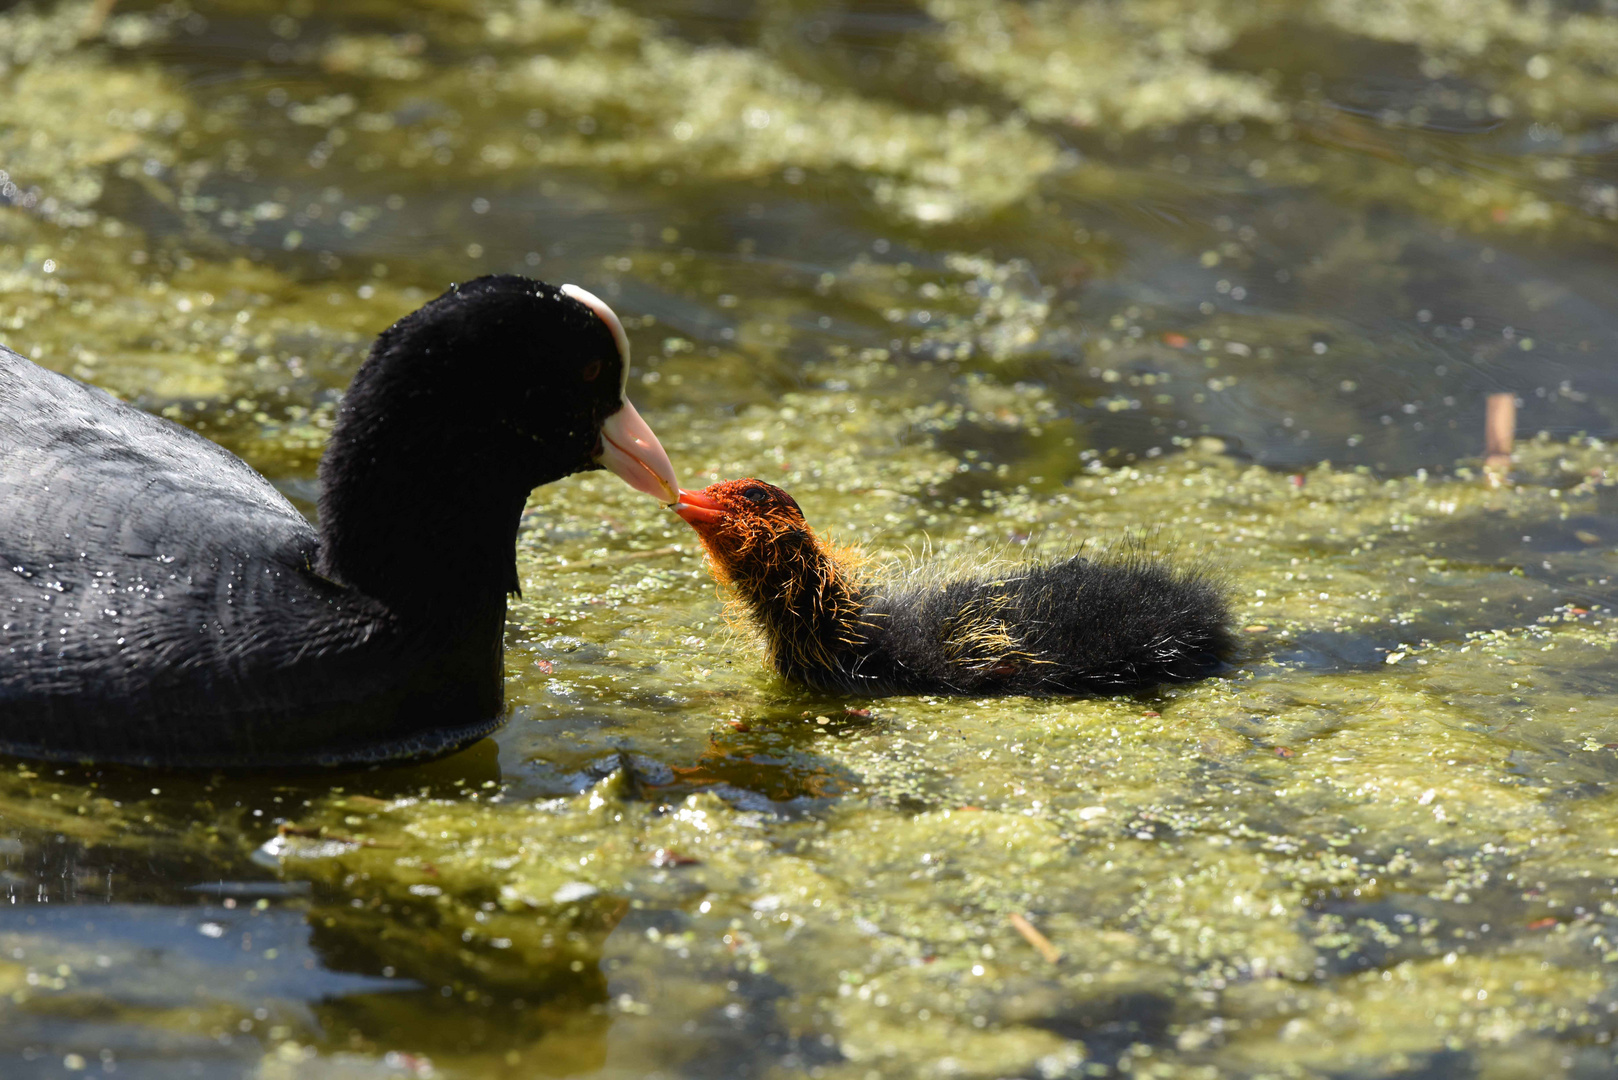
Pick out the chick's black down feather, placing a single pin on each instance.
(1078, 626)
(1075, 626)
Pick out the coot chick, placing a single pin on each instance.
(161, 603)
(1077, 626)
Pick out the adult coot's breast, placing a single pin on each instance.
(160, 602)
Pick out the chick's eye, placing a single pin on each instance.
(591, 370)
(755, 495)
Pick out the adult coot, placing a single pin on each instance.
(1078, 626)
(161, 603)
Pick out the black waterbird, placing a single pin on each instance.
(161, 603)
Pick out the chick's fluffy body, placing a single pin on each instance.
(1074, 626)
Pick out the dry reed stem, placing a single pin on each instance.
(1031, 934)
(1499, 432)
(98, 17)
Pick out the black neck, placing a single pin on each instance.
(427, 526)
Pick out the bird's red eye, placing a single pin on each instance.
(591, 370)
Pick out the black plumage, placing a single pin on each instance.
(1075, 626)
(162, 603)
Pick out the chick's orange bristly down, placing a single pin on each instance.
(791, 584)
(1074, 626)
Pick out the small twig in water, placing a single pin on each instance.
(98, 17)
(319, 833)
(1031, 934)
(364, 802)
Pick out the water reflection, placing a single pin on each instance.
(172, 987)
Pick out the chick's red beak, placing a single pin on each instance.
(699, 510)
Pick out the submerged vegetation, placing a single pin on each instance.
(964, 276)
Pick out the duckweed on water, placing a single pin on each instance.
(1383, 832)
(1362, 836)
(970, 279)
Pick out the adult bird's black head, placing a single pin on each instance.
(463, 407)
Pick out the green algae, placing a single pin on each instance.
(1275, 859)
(1130, 65)
(73, 121)
(928, 296)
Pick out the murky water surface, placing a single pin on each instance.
(963, 275)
